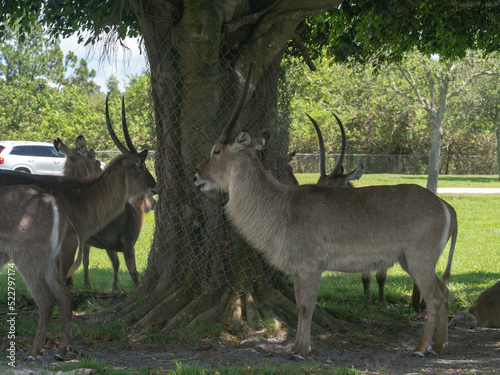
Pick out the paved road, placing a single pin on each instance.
(469, 190)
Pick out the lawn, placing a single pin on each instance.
(471, 181)
(476, 262)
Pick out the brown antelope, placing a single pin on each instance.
(41, 219)
(32, 238)
(80, 162)
(338, 178)
(121, 234)
(290, 176)
(307, 229)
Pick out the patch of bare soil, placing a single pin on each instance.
(382, 350)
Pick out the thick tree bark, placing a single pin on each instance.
(437, 115)
(497, 130)
(434, 158)
(199, 55)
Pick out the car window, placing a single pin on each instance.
(46, 151)
(1, 148)
(36, 151)
(21, 150)
(41, 151)
(56, 154)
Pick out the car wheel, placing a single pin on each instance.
(23, 170)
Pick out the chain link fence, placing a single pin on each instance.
(195, 249)
(399, 164)
(395, 164)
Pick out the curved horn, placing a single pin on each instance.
(224, 137)
(338, 166)
(126, 134)
(322, 163)
(112, 133)
(260, 108)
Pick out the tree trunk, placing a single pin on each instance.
(497, 130)
(437, 114)
(198, 267)
(434, 156)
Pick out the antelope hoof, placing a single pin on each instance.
(29, 359)
(439, 348)
(430, 354)
(295, 357)
(417, 355)
(58, 358)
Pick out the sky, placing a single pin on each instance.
(123, 64)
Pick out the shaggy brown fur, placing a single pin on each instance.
(305, 230)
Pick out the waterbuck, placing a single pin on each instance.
(307, 229)
(65, 209)
(339, 179)
(121, 234)
(336, 176)
(80, 162)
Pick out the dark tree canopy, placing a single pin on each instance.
(199, 53)
(374, 31)
(382, 31)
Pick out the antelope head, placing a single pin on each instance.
(138, 178)
(80, 162)
(336, 176)
(214, 173)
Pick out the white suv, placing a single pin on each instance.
(31, 157)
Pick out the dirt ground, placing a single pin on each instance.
(386, 351)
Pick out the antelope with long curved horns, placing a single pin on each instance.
(120, 234)
(307, 229)
(61, 209)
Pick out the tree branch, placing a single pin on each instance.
(278, 13)
(468, 80)
(426, 104)
(303, 51)
(397, 89)
(250, 19)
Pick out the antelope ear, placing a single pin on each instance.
(355, 174)
(136, 159)
(81, 145)
(57, 144)
(263, 140)
(143, 155)
(242, 140)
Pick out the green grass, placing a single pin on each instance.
(476, 261)
(476, 266)
(101, 272)
(195, 369)
(202, 329)
(472, 181)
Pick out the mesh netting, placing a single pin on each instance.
(195, 250)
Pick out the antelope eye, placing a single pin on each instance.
(216, 152)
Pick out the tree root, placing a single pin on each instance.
(242, 315)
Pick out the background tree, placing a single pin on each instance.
(112, 86)
(490, 107)
(480, 110)
(81, 76)
(30, 65)
(199, 53)
(431, 84)
(376, 120)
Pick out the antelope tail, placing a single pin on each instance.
(447, 272)
(79, 256)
